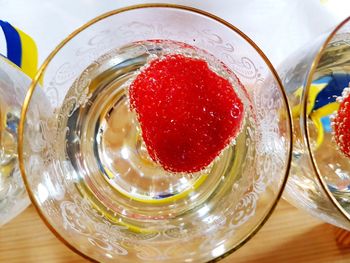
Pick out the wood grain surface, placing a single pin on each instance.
(289, 236)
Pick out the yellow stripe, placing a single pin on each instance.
(29, 63)
(314, 90)
(168, 199)
(317, 114)
(326, 110)
(296, 111)
(316, 118)
(320, 133)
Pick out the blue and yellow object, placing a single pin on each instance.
(322, 101)
(20, 48)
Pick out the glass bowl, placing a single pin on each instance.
(315, 78)
(13, 87)
(85, 166)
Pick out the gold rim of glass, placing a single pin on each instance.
(43, 67)
(311, 73)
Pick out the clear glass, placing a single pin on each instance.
(314, 79)
(13, 87)
(86, 169)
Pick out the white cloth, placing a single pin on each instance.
(277, 26)
(3, 47)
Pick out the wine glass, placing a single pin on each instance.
(13, 87)
(315, 79)
(88, 170)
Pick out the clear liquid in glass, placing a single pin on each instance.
(103, 144)
(330, 78)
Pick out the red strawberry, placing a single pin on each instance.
(188, 114)
(341, 123)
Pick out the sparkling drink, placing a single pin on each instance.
(13, 198)
(103, 130)
(334, 74)
(8, 148)
(329, 80)
(90, 158)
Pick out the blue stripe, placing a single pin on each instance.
(334, 88)
(13, 42)
(326, 124)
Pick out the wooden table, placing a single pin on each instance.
(289, 236)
